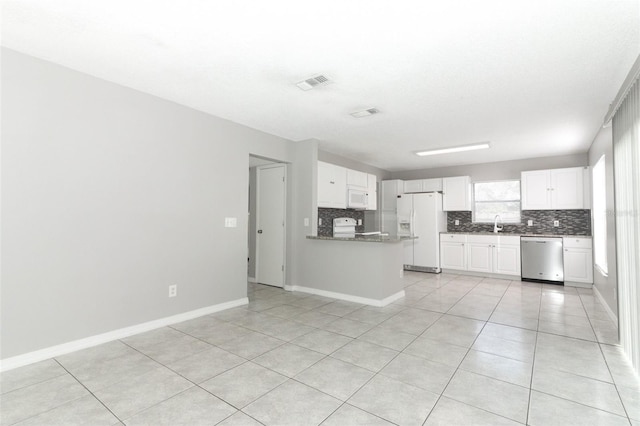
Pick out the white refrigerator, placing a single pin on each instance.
(421, 216)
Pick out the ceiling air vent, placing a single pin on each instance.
(313, 82)
(365, 112)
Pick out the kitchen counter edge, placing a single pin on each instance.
(364, 239)
(512, 234)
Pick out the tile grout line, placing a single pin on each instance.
(533, 361)
(463, 358)
(88, 390)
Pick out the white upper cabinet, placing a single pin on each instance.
(534, 187)
(391, 189)
(332, 186)
(456, 193)
(372, 192)
(432, 185)
(357, 180)
(334, 181)
(567, 188)
(422, 185)
(556, 189)
(412, 186)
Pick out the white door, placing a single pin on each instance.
(270, 224)
(567, 188)
(578, 265)
(480, 257)
(332, 186)
(406, 225)
(425, 247)
(535, 187)
(506, 259)
(452, 256)
(457, 193)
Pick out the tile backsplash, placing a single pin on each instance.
(327, 216)
(572, 222)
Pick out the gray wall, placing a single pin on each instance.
(329, 157)
(607, 285)
(502, 170)
(109, 196)
(304, 187)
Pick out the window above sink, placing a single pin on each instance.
(496, 198)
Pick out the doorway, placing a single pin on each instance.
(267, 222)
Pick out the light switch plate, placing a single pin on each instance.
(306, 221)
(230, 222)
(359, 222)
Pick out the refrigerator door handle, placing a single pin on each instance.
(413, 223)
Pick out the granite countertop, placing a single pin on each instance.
(513, 234)
(364, 238)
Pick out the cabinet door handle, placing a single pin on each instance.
(331, 182)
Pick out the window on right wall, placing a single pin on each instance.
(496, 198)
(600, 216)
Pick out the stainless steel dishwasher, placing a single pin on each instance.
(542, 259)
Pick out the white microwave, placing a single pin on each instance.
(357, 199)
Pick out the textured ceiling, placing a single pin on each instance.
(533, 77)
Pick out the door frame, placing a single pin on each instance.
(284, 219)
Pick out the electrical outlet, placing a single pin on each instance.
(359, 222)
(457, 222)
(401, 273)
(319, 221)
(529, 222)
(306, 221)
(173, 290)
(556, 223)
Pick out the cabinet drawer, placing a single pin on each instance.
(482, 239)
(576, 242)
(509, 240)
(454, 238)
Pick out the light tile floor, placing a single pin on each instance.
(457, 350)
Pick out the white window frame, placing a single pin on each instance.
(599, 212)
(519, 200)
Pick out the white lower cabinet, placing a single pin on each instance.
(487, 254)
(480, 257)
(453, 252)
(506, 259)
(578, 260)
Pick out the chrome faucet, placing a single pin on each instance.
(497, 228)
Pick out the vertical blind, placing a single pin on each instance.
(599, 213)
(626, 154)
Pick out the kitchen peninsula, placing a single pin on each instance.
(363, 269)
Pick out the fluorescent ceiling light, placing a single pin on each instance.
(473, 147)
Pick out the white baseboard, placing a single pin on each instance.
(65, 348)
(577, 284)
(348, 297)
(613, 316)
(481, 274)
(252, 279)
